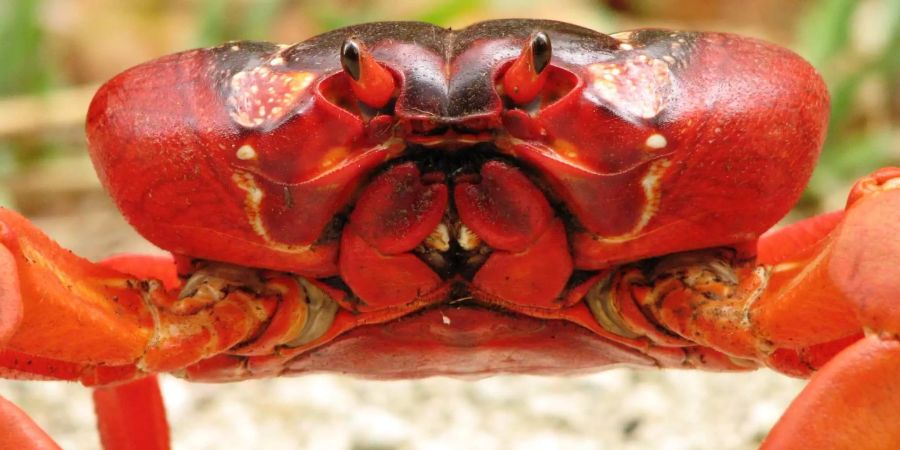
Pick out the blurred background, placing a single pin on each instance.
(55, 53)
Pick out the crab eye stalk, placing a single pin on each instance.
(373, 84)
(526, 76)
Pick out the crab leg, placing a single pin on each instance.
(822, 297)
(815, 289)
(60, 296)
(131, 416)
(10, 298)
(86, 319)
(62, 317)
(17, 430)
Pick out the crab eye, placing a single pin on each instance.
(373, 84)
(525, 78)
(350, 58)
(541, 51)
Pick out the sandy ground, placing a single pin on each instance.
(615, 409)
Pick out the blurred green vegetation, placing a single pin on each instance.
(23, 37)
(854, 146)
(215, 26)
(862, 76)
(23, 73)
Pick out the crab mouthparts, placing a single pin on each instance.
(465, 253)
(453, 260)
(437, 219)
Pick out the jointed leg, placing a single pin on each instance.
(803, 309)
(854, 401)
(62, 317)
(131, 416)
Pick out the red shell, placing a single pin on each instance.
(641, 143)
(462, 203)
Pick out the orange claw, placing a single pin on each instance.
(18, 431)
(63, 295)
(798, 241)
(10, 297)
(124, 326)
(841, 282)
(816, 288)
(853, 403)
(866, 248)
(803, 308)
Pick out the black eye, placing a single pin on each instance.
(541, 51)
(350, 58)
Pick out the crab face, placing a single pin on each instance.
(484, 176)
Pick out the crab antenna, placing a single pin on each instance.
(526, 76)
(373, 84)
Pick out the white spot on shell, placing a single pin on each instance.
(656, 141)
(639, 86)
(276, 61)
(246, 152)
(624, 46)
(261, 97)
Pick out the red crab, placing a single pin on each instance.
(398, 200)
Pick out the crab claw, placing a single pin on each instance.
(526, 76)
(852, 403)
(820, 300)
(17, 430)
(854, 400)
(373, 84)
(10, 297)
